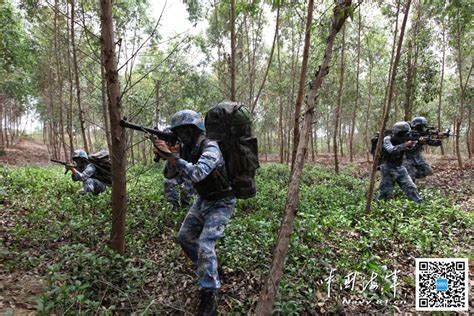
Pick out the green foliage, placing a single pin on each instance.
(17, 54)
(64, 236)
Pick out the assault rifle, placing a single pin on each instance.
(430, 133)
(168, 137)
(64, 163)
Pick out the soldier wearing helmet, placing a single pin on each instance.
(392, 168)
(85, 172)
(178, 190)
(201, 162)
(414, 161)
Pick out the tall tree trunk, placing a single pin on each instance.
(460, 118)
(270, 288)
(3, 99)
(311, 139)
(270, 58)
(58, 50)
(441, 83)
(368, 144)
(105, 114)
(157, 103)
(470, 135)
(78, 85)
(339, 101)
(356, 106)
(412, 66)
(280, 101)
(70, 106)
(328, 136)
(302, 81)
(232, 52)
(409, 84)
(387, 108)
(119, 161)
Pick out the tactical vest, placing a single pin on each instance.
(392, 158)
(216, 185)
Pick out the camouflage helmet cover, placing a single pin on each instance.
(80, 153)
(401, 127)
(419, 120)
(187, 117)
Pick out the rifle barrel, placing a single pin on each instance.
(59, 161)
(167, 137)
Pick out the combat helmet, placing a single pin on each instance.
(419, 121)
(400, 128)
(187, 117)
(79, 153)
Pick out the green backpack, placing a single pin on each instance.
(101, 160)
(230, 124)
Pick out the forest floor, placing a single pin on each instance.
(19, 288)
(26, 151)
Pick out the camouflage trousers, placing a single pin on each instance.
(417, 169)
(393, 173)
(93, 186)
(173, 195)
(203, 226)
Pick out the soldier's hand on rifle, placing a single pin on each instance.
(70, 167)
(411, 143)
(423, 140)
(173, 148)
(163, 150)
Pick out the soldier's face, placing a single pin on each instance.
(186, 134)
(79, 161)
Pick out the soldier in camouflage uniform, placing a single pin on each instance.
(173, 187)
(176, 188)
(85, 172)
(203, 164)
(414, 161)
(392, 168)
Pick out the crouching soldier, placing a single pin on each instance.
(392, 169)
(414, 161)
(85, 172)
(203, 164)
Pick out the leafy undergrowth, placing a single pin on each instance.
(62, 237)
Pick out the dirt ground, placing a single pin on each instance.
(18, 291)
(27, 151)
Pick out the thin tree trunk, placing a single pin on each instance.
(280, 100)
(70, 107)
(270, 288)
(232, 52)
(460, 118)
(367, 115)
(78, 85)
(119, 161)
(441, 83)
(104, 106)
(386, 108)
(311, 139)
(302, 81)
(339, 101)
(270, 58)
(2, 99)
(356, 106)
(57, 49)
(157, 103)
(470, 135)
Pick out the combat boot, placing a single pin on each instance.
(208, 304)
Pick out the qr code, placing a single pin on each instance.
(441, 284)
